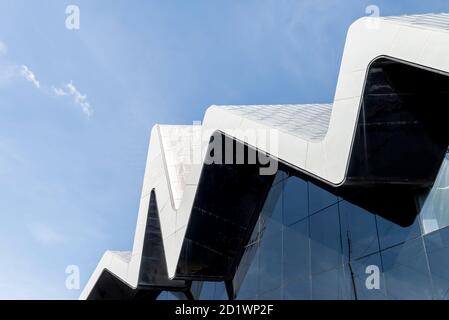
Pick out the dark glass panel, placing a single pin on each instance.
(270, 221)
(270, 262)
(230, 211)
(359, 232)
(220, 291)
(435, 204)
(325, 240)
(281, 175)
(298, 290)
(295, 200)
(153, 267)
(331, 285)
(360, 275)
(207, 291)
(271, 295)
(319, 198)
(163, 296)
(401, 135)
(391, 234)
(406, 271)
(437, 247)
(247, 276)
(166, 295)
(296, 262)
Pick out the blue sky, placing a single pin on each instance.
(76, 107)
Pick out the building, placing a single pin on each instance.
(347, 200)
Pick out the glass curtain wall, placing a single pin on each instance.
(310, 243)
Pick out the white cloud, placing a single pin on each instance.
(80, 100)
(43, 234)
(59, 92)
(10, 71)
(3, 48)
(25, 72)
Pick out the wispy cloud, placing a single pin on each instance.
(59, 92)
(29, 75)
(10, 71)
(78, 98)
(45, 235)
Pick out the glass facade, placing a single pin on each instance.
(435, 206)
(310, 243)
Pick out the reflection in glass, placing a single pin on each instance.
(437, 247)
(220, 291)
(247, 276)
(406, 271)
(331, 285)
(359, 231)
(271, 295)
(325, 255)
(391, 234)
(325, 244)
(208, 291)
(296, 261)
(360, 275)
(295, 200)
(271, 216)
(319, 198)
(298, 290)
(270, 262)
(435, 210)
